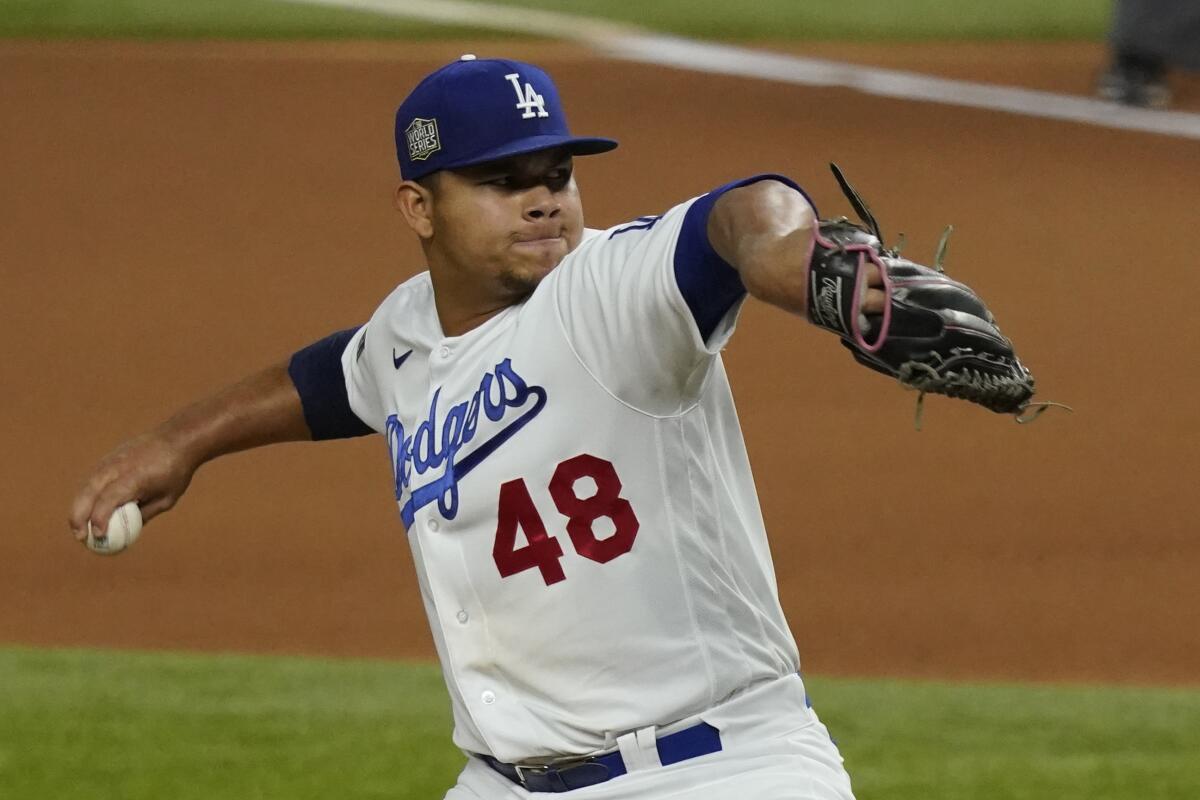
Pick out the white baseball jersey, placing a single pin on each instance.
(578, 500)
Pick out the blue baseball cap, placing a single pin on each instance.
(472, 111)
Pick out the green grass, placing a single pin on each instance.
(80, 724)
(207, 19)
(854, 19)
(719, 19)
(905, 740)
(93, 724)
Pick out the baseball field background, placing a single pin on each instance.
(190, 191)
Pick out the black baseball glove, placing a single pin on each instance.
(935, 335)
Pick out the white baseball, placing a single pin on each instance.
(124, 526)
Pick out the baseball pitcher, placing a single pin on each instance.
(565, 453)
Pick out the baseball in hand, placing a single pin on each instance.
(124, 526)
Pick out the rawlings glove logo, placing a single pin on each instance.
(827, 303)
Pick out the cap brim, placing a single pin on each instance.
(575, 145)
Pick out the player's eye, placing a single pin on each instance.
(558, 178)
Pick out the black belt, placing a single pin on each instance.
(697, 740)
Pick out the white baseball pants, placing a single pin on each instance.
(773, 748)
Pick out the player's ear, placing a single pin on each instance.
(415, 202)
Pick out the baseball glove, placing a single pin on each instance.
(935, 335)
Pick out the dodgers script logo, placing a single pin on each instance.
(501, 394)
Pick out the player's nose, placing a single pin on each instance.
(541, 203)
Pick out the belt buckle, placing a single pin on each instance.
(537, 771)
(552, 777)
(562, 776)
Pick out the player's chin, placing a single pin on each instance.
(534, 260)
(521, 280)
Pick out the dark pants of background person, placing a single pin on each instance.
(1164, 30)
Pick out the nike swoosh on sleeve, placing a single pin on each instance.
(396, 362)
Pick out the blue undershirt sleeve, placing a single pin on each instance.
(317, 374)
(710, 285)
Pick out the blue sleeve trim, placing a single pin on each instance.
(317, 373)
(709, 284)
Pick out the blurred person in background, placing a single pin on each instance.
(1147, 38)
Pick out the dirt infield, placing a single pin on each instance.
(178, 215)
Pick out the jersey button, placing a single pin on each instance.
(462, 616)
(433, 525)
(444, 352)
(488, 698)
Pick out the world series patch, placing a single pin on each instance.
(422, 136)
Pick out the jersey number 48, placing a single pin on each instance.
(544, 551)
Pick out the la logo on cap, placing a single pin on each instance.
(527, 98)
(422, 137)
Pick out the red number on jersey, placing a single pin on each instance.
(516, 510)
(582, 512)
(543, 551)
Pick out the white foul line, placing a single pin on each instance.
(635, 44)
